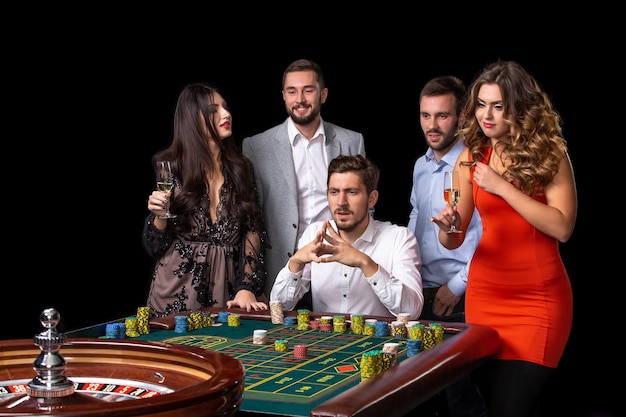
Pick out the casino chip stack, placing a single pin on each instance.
(259, 337)
(430, 339)
(416, 332)
(382, 328)
(413, 347)
(399, 329)
(115, 331)
(390, 354)
(439, 331)
(181, 324)
(207, 319)
(326, 323)
(222, 316)
(195, 320)
(300, 351)
(386, 361)
(121, 330)
(371, 364)
(339, 324)
(369, 329)
(143, 320)
(304, 319)
(404, 317)
(281, 345)
(234, 320)
(357, 323)
(132, 326)
(276, 312)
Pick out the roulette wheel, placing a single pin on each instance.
(91, 377)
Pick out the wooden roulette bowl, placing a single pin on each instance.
(122, 377)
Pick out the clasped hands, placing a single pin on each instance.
(327, 246)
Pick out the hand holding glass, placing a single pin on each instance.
(451, 193)
(165, 183)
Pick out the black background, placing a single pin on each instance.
(94, 103)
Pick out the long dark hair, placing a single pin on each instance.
(191, 159)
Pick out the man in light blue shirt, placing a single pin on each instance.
(444, 271)
(444, 276)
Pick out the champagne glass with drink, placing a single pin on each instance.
(451, 193)
(165, 183)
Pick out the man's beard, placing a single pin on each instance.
(304, 120)
(447, 142)
(349, 226)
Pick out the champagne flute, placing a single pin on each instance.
(451, 193)
(165, 183)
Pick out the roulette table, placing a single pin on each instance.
(326, 382)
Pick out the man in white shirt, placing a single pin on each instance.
(353, 263)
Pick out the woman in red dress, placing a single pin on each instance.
(518, 174)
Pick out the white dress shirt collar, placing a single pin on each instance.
(293, 132)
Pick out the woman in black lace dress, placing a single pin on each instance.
(211, 254)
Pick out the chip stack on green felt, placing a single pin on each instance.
(143, 320)
(399, 330)
(276, 311)
(357, 323)
(390, 354)
(181, 324)
(195, 320)
(339, 324)
(326, 323)
(439, 331)
(369, 329)
(300, 351)
(304, 319)
(416, 331)
(207, 319)
(430, 339)
(234, 320)
(132, 326)
(281, 345)
(371, 364)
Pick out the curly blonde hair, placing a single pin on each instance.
(535, 128)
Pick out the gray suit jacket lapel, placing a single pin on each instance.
(332, 146)
(282, 151)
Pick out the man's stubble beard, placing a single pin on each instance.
(306, 119)
(350, 226)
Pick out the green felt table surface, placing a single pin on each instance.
(279, 382)
(327, 382)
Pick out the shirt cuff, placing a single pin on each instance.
(294, 278)
(457, 286)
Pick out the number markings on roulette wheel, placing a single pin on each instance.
(107, 389)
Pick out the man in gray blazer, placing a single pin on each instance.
(291, 163)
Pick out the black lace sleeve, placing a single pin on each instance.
(155, 241)
(251, 271)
